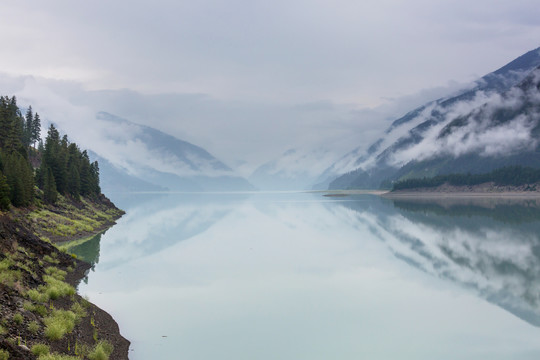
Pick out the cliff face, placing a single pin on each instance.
(40, 311)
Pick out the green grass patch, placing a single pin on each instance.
(41, 310)
(50, 260)
(28, 306)
(56, 273)
(38, 296)
(58, 357)
(33, 327)
(59, 323)
(101, 351)
(56, 288)
(40, 350)
(3, 330)
(4, 355)
(18, 318)
(9, 276)
(79, 310)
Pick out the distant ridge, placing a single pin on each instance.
(416, 144)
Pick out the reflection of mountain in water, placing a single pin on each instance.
(489, 245)
(155, 222)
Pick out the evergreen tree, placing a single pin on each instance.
(74, 182)
(49, 188)
(4, 193)
(36, 129)
(28, 127)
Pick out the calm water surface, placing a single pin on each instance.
(300, 276)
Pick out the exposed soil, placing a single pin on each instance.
(30, 257)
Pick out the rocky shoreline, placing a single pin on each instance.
(485, 189)
(37, 285)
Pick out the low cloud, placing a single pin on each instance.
(481, 131)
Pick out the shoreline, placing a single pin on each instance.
(32, 258)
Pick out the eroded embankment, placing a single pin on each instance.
(41, 313)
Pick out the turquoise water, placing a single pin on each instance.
(303, 276)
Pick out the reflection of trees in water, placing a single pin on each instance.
(88, 251)
(490, 245)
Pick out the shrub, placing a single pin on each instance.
(101, 351)
(40, 349)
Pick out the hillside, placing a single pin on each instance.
(48, 193)
(40, 310)
(490, 125)
(158, 161)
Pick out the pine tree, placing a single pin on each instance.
(74, 181)
(28, 126)
(4, 193)
(49, 188)
(36, 129)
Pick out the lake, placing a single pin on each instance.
(302, 276)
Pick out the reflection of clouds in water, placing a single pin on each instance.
(152, 227)
(502, 264)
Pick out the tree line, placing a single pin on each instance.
(28, 172)
(505, 176)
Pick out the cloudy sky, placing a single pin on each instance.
(248, 80)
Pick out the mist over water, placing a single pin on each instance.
(302, 276)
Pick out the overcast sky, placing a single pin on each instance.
(249, 79)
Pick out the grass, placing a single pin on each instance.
(37, 296)
(59, 323)
(101, 351)
(18, 319)
(56, 273)
(58, 357)
(28, 306)
(56, 288)
(33, 327)
(50, 259)
(40, 350)
(9, 276)
(4, 355)
(79, 310)
(3, 330)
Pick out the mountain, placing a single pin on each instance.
(294, 170)
(141, 158)
(491, 124)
